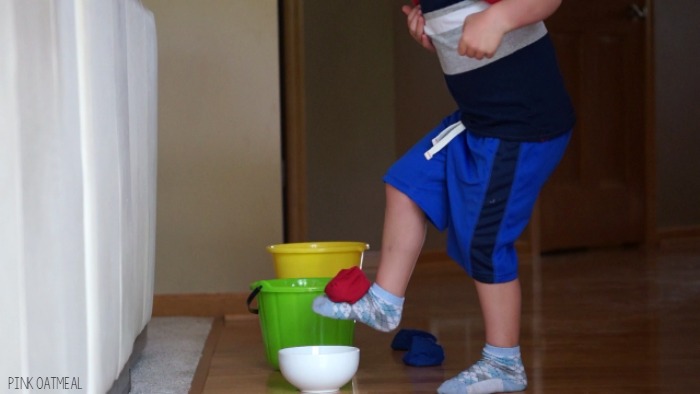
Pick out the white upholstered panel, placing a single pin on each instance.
(77, 186)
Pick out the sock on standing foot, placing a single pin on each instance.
(500, 370)
(378, 309)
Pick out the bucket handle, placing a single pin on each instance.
(251, 297)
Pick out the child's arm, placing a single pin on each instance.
(483, 31)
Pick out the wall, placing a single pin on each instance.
(677, 41)
(219, 168)
(350, 120)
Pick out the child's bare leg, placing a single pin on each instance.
(500, 307)
(402, 241)
(403, 237)
(501, 368)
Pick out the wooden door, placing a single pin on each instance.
(597, 195)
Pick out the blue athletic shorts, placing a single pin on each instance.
(481, 190)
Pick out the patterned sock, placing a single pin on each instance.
(378, 309)
(500, 370)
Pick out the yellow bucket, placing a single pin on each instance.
(315, 259)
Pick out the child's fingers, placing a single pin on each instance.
(415, 23)
(413, 18)
(416, 26)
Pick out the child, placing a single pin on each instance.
(477, 174)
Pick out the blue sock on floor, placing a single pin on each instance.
(378, 309)
(500, 370)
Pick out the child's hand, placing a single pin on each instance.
(416, 25)
(483, 31)
(481, 35)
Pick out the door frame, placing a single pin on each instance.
(650, 185)
(293, 119)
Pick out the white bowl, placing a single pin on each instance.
(319, 369)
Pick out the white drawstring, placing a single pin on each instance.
(444, 138)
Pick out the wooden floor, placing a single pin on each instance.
(604, 321)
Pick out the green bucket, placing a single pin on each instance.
(287, 320)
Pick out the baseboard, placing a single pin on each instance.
(678, 236)
(201, 305)
(678, 232)
(433, 255)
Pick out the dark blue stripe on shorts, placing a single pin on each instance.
(493, 208)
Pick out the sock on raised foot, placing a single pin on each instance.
(500, 370)
(378, 309)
